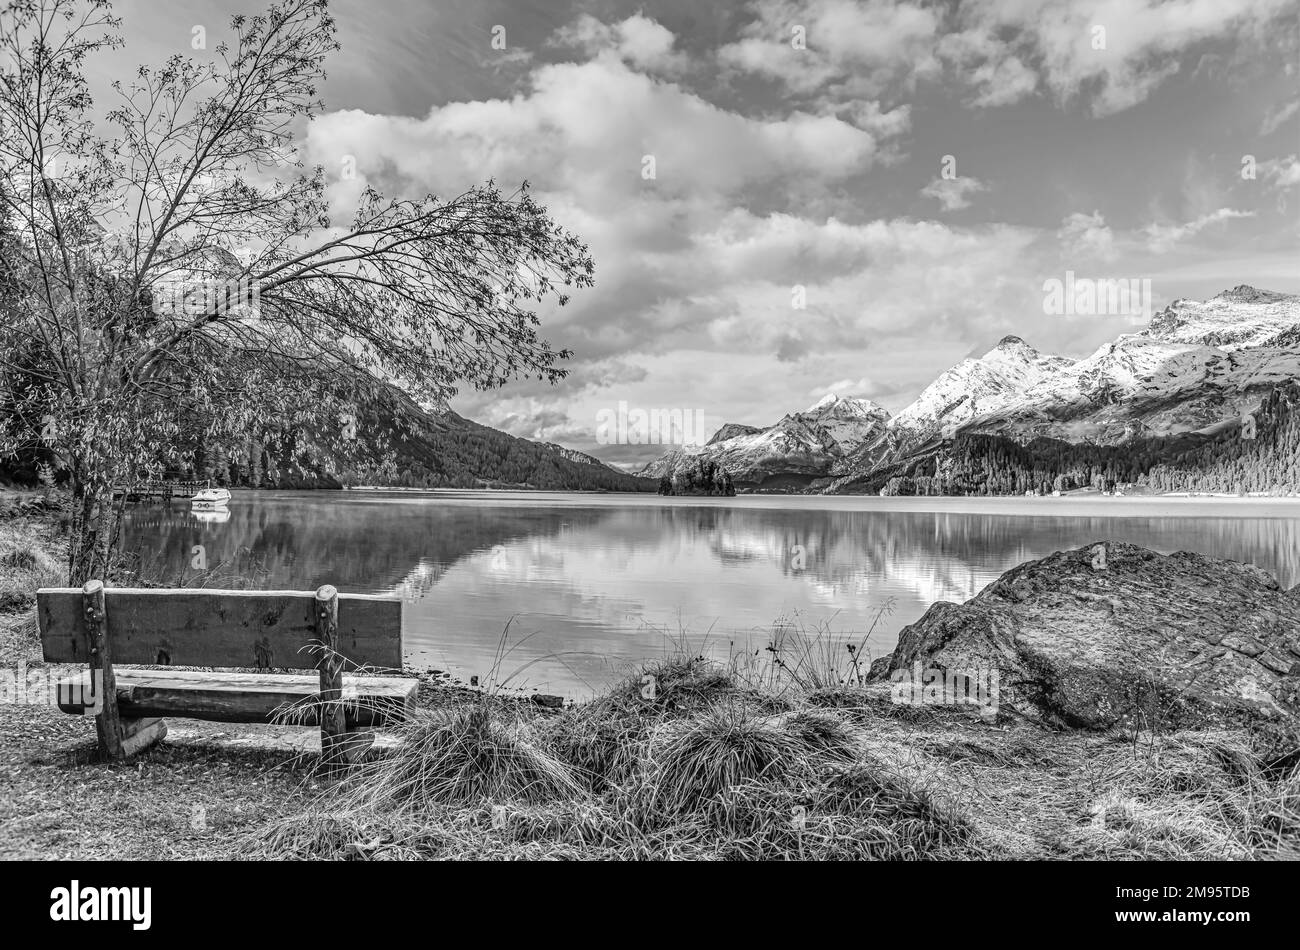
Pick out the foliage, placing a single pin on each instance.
(178, 286)
(698, 476)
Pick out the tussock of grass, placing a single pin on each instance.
(462, 756)
(821, 733)
(860, 811)
(906, 819)
(600, 743)
(694, 760)
(679, 682)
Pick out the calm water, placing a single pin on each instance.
(591, 584)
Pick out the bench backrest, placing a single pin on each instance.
(223, 628)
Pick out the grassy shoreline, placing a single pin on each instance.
(707, 765)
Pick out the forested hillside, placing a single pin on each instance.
(448, 451)
(397, 444)
(389, 442)
(1226, 461)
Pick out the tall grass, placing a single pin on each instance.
(801, 656)
(29, 560)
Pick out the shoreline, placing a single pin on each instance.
(1180, 504)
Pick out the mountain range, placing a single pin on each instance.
(1192, 373)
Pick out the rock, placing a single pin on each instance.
(1161, 641)
(550, 702)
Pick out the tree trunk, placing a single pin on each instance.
(94, 525)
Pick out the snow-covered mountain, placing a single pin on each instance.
(1235, 319)
(1196, 366)
(801, 447)
(977, 387)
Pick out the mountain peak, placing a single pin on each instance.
(1245, 293)
(1012, 346)
(847, 404)
(731, 430)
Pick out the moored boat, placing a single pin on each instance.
(212, 498)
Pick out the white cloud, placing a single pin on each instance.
(1144, 40)
(1161, 237)
(864, 388)
(871, 117)
(953, 193)
(854, 49)
(584, 128)
(638, 40)
(1282, 173)
(1087, 236)
(1004, 51)
(1276, 117)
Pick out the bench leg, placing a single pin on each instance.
(340, 750)
(355, 745)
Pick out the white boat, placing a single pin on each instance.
(212, 498)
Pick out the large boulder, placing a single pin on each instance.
(1111, 634)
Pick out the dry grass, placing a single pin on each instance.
(29, 560)
(721, 772)
(460, 757)
(691, 761)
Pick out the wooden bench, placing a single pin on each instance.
(259, 630)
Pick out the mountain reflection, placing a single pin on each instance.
(591, 585)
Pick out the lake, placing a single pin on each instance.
(591, 584)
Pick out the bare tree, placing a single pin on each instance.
(170, 259)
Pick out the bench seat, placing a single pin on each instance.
(244, 697)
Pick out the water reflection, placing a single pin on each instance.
(210, 515)
(591, 584)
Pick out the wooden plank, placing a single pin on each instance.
(140, 734)
(332, 725)
(131, 727)
(368, 701)
(244, 628)
(99, 655)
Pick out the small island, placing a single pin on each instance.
(697, 476)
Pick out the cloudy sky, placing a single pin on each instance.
(919, 169)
